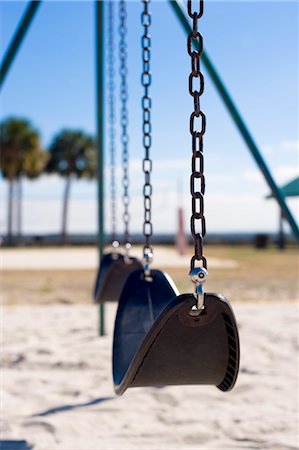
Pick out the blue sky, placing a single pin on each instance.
(254, 46)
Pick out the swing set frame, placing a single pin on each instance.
(231, 106)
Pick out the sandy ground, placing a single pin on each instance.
(57, 391)
(67, 275)
(57, 387)
(87, 258)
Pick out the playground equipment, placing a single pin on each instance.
(115, 267)
(160, 337)
(177, 8)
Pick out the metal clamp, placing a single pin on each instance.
(198, 276)
(127, 258)
(147, 260)
(115, 245)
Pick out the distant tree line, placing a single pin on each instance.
(71, 154)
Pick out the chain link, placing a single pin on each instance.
(123, 49)
(147, 127)
(197, 130)
(111, 118)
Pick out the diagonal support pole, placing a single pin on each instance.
(239, 122)
(17, 39)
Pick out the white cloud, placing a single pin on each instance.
(254, 175)
(290, 145)
(267, 149)
(284, 174)
(232, 202)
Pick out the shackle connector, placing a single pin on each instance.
(147, 260)
(198, 276)
(115, 246)
(127, 247)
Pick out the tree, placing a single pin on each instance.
(72, 155)
(21, 154)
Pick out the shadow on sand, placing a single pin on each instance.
(63, 408)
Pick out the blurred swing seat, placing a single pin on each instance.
(113, 273)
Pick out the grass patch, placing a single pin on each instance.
(261, 275)
(47, 290)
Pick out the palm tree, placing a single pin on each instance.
(72, 155)
(21, 154)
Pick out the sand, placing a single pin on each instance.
(57, 391)
(72, 258)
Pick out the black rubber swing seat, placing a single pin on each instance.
(113, 273)
(158, 343)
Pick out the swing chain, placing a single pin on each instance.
(124, 118)
(197, 180)
(147, 139)
(111, 122)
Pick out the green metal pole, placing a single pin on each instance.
(100, 140)
(276, 191)
(17, 39)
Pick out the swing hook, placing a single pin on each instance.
(114, 245)
(128, 246)
(147, 260)
(198, 276)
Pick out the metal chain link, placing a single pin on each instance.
(111, 119)
(124, 117)
(197, 180)
(146, 79)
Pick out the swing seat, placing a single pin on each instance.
(113, 273)
(158, 343)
